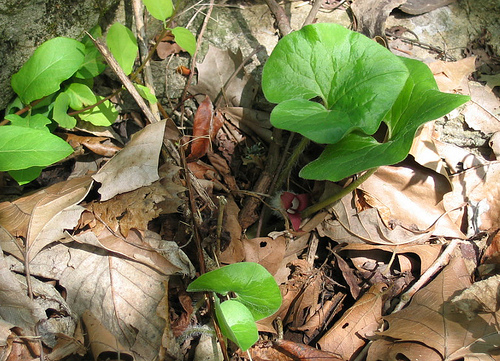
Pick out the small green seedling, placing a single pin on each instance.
(257, 296)
(54, 88)
(335, 87)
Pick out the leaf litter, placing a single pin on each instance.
(113, 255)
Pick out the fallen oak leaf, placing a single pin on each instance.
(205, 126)
(298, 351)
(348, 334)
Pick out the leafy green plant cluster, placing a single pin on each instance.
(54, 88)
(256, 296)
(336, 87)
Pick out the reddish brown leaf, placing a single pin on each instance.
(98, 145)
(205, 127)
(298, 351)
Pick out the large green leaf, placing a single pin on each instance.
(419, 102)
(35, 121)
(22, 148)
(253, 285)
(24, 176)
(123, 45)
(52, 62)
(185, 39)
(159, 9)
(355, 80)
(236, 323)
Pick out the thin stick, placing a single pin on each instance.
(312, 14)
(442, 261)
(113, 64)
(143, 50)
(281, 17)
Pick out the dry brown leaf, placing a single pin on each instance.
(235, 252)
(481, 297)
(16, 307)
(29, 216)
(348, 335)
(214, 73)
(148, 249)
(222, 167)
(101, 340)
(347, 225)
(480, 188)
(98, 145)
(205, 127)
(264, 351)
(450, 76)
(134, 166)
(432, 320)
(383, 350)
(371, 15)
(426, 253)
(425, 150)
(414, 195)
(483, 111)
(302, 352)
(123, 295)
(266, 251)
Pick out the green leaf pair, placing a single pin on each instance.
(257, 296)
(335, 86)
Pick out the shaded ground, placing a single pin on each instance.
(118, 254)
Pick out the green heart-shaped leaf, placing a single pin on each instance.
(253, 285)
(185, 39)
(123, 45)
(355, 79)
(236, 323)
(420, 101)
(52, 62)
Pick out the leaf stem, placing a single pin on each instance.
(299, 149)
(327, 202)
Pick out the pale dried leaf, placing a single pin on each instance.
(123, 295)
(480, 188)
(426, 152)
(481, 297)
(266, 251)
(414, 196)
(451, 75)
(426, 253)
(348, 334)
(15, 306)
(26, 217)
(215, 71)
(350, 226)
(136, 165)
(382, 350)
(5, 332)
(371, 15)
(432, 320)
(483, 111)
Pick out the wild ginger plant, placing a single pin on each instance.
(336, 87)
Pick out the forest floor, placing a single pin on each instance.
(404, 267)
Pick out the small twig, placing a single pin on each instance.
(442, 261)
(143, 50)
(281, 18)
(123, 78)
(312, 14)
